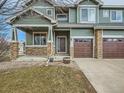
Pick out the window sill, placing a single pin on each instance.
(87, 22)
(116, 21)
(36, 46)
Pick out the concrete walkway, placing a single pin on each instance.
(107, 76)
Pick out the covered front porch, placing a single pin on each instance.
(39, 41)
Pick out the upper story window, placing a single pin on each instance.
(62, 17)
(88, 15)
(40, 38)
(116, 16)
(49, 12)
(105, 13)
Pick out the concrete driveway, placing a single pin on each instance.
(107, 76)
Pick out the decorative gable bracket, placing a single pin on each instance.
(9, 20)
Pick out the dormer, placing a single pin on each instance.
(62, 14)
(87, 11)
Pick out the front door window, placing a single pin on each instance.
(61, 44)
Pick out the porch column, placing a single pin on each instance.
(50, 42)
(99, 43)
(14, 44)
(72, 48)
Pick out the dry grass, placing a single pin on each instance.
(42, 80)
(5, 59)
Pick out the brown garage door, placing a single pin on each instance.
(83, 48)
(113, 48)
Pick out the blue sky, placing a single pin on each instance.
(21, 35)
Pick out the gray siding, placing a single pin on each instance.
(103, 19)
(33, 20)
(107, 19)
(113, 32)
(29, 38)
(44, 11)
(81, 32)
(72, 15)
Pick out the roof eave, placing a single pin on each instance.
(108, 27)
(112, 6)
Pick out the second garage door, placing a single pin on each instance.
(83, 48)
(113, 48)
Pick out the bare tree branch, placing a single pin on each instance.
(7, 8)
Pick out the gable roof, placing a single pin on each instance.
(52, 2)
(33, 1)
(20, 13)
(98, 1)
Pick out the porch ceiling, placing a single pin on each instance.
(25, 29)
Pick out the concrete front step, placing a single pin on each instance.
(59, 58)
(39, 59)
(31, 59)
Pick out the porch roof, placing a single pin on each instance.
(79, 25)
(94, 26)
(109, 26)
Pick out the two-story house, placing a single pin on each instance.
(86, 29)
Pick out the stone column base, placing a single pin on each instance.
(50, 50)
(14, 50)
(99, 44)
(72, 52)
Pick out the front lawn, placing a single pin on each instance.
(49, 79)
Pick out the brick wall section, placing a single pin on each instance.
(99, 44)
(14, 50)
(36, 51)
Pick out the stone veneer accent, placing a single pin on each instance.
(36, 51)
(50, 49)
(72, 52)
(99, 43)
(14, 50)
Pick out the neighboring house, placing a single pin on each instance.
(87, 29)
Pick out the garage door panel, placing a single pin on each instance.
(113, 48)
(83, 48)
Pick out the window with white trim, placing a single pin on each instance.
(88, 15)
(62, 17)
(40, 38)
(105, 13)
(49, 12)
(116, 16)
